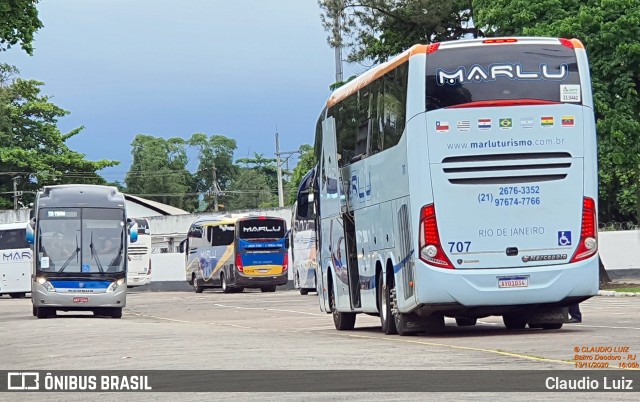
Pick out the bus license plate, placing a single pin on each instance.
(513, 281)
(80, 299)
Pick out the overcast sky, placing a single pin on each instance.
(170, 68)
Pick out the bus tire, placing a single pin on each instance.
(223, 283)
(115, 312)
(238, 290)
(304, 292)
(34, 311)
(514, 321)
(196, 286)
(44, 312)
(17, 295)
(466, 322)
(555, 325)
(271, 288)
(342, 321)
(387, 320)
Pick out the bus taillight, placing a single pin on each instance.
(588, 244)
(431, 250)
(285, 262)
(239, 266)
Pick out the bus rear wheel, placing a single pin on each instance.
(304, 292)
(225, 286)
(342, 321)
(196, 286)
(514, 321)
(384, 303)
(271, 288)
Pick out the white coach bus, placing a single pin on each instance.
(459, 179)
(139, 269)
(15, 261)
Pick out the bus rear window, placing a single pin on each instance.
(13, 239)
(262, 229)
(460, 76)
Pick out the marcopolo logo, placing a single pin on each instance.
(513, 71)
(16, 256)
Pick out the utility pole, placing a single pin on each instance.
(215, 188)
(15, 192)
(279, 166)
(337, 37)
(280, 195)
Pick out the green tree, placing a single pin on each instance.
(266, 167)
(307, 162)
(250, 190)
(32, 148)
(215, 155)
(610, 30)
(18, 23)
(377, 29)
(159, 172)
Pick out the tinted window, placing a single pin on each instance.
(221, 235)
(499, 72)
(262, 228)
(13, 239)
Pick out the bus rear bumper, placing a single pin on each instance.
(479, 289)
(138, 280)
(260, 281)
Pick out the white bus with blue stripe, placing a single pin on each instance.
(80, 234)
(15, 261)
(459, 180)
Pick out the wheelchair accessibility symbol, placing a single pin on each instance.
(564, 238)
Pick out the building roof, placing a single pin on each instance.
(158, 207)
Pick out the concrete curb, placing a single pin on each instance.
(613, 293)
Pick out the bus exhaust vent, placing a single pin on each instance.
(507, 168)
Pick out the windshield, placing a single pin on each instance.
(268, 228)
(81, 240)
(507, 72)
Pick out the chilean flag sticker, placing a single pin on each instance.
(442, 126)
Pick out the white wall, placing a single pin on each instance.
(620, 249)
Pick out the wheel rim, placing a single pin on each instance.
(383, 303)
(224, 283)
(195, 283)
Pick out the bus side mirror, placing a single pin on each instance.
(32, 213)
(287, 240)
(133, 230)
(181, 246)
(30, 233)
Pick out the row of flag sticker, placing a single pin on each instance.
(505, 123)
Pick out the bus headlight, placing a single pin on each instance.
(45, 284)
(115, 285)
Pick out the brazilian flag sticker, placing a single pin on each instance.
(506, 123)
